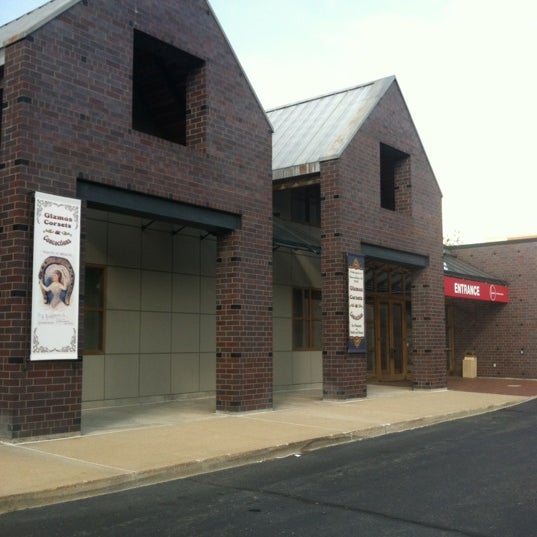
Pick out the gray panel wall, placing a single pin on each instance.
(160, 310)
(293, 369)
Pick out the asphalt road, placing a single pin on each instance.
(473, 477)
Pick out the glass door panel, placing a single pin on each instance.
(397, 339)
(384, 338)
(370, 335)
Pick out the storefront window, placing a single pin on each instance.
(306, 319)
(386, 279)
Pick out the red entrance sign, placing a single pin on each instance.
(472, 290)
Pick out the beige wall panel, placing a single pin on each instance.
(186, 254)
(316, 361)
(311, 268)
(122, 332)
(124, 245)
(155, 376)
(93, 378)
(121, 376)
(207, 333)
(208, 257)
(282, 336)
(155, 332)
(156, 291)
(96, 214)
(282, 368)
(207, 372)
(96, 242)
(282, 297)
(282, 267)
(185, 332)
(185, 373)
(301, 368)
(306, 271)
(185, 293)
(208, 295)
(118, 218)
(157, 250)
(123, 288)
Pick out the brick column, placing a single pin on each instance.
(428, 328)
(244, 320)
(344, 374)
(36, 398)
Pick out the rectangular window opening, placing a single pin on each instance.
(393, 176)
(300, 204)
(166, 83)
(306, 319)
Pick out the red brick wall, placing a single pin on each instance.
(351, 214)
(497, 333)
(67, 96)
(344, 374)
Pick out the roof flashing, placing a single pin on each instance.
(28, 23)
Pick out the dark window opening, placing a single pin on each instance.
(306, 319)
(301, 204)
(163, 78)
(393, 172)
(94, 309)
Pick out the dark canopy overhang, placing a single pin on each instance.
(115, 199)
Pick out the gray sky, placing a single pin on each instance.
(466, 69)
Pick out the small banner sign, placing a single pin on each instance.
(473, 290)
(55, 280)
(356, 265)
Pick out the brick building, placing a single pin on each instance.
(141, 110)
(351, 176)
(501, 334)
(199, 275)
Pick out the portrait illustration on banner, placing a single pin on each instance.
(56, 280)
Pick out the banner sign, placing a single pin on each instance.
(355, 265)
(55, 277)
(472, 290)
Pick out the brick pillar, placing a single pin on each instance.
(36, 398)
(344, 374)
(244, 320)
(428, 328)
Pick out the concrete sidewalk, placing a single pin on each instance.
(133, 446)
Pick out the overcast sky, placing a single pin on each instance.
(466, 69)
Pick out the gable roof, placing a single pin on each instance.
(26, 24)
(309, 132)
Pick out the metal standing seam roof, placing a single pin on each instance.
(26, 24)
(308, 132)
(456, 267)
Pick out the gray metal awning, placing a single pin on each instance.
(453, 266)
(296, 236)
(395, 256)
(124, 201)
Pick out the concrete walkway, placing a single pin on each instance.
(138, 445)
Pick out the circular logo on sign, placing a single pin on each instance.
(492, 293)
